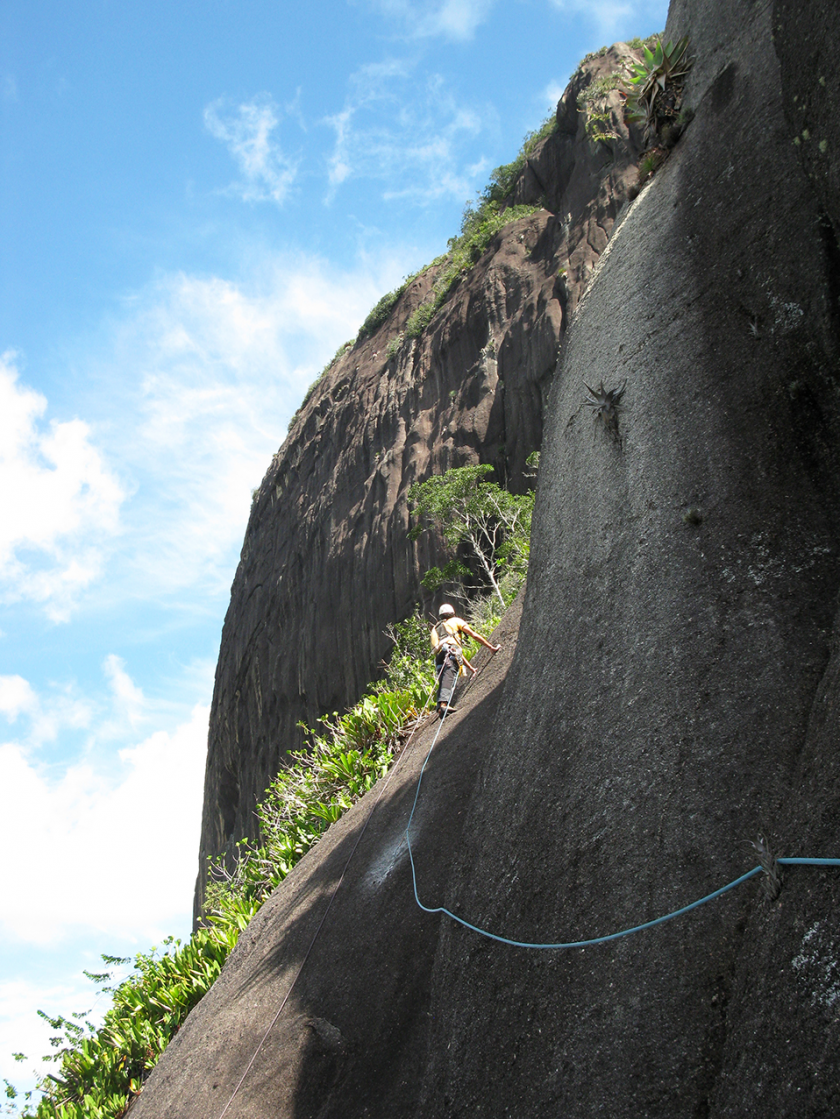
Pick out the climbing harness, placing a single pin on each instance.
(385, 785)
(767, 866)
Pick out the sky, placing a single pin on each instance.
(199, 203)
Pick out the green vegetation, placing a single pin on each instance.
(592, 101)
(341, 764)
(381, 312)
(492, 210)
(493, 524)
(100, 1069)
(503, 179)
(478, 228)
(650, 163)
(599, 53)
(482, 220)
(654, 86)
(420, 319)
(636, 43)
(394, 345)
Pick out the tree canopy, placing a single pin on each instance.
(470, 510)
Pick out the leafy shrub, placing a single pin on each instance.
(636, 43)
(380, 312)
(654, 86)
(503, 179)
(314, 790)
(408, 666)
(100, 1069)
(599, 53)
(493, 524)
(592, 101)
(420, 319)
(480, 222)
(394, 345)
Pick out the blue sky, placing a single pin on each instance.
(199, 202)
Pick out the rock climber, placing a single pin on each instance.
(449, 656)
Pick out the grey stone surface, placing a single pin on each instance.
(674, 650)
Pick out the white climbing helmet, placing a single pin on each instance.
(446, 611)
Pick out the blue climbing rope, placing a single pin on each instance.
(595, 939)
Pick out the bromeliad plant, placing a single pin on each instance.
(653, 90)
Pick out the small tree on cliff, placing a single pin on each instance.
(494, 524)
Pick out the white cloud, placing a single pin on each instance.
(128, 698)
(551, 94)
(21, 1030)
(614, 18)
(107, 848)
(400, 129)
(59, 503)
(191, 391)
(449, 19)
(249, 130)
(203, 376)
(16, 696)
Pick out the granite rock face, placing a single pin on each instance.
(674, 693)
(326, 564)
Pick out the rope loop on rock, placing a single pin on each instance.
(767, 867)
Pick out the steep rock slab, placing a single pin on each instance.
(348, 1035)
(674, 691)
(326, 564)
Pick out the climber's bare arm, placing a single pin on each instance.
(477, 637)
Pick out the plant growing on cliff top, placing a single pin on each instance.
(380, 313)
(480, 222)
(344, 348)
(494, 524)
(503, 179)
(478, 228)
(654, 85)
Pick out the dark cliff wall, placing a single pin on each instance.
(675, 689)
(326, 564)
